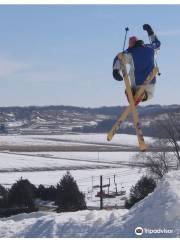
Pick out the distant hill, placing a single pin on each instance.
(66, 119)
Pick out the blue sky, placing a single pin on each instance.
(62, 54)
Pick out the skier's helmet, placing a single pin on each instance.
(132, 41)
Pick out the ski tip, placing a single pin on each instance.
(109, 138)
(143, 149)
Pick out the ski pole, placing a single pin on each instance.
(126, 29)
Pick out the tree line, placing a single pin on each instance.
(22, 194)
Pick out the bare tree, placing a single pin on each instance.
(165, 150)
(158, 162)
(169, 129)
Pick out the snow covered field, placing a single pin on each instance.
(31, 140)
(119, 169)
(158, 215)
(85, 167)
(15, 161)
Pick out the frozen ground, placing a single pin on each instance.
(158, 215)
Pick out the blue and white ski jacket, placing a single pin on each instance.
(141, 61)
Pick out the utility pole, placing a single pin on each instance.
(109, 186)
(101, 192)
(92, 188)
(115, 183)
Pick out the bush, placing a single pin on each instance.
(141, 189)
(69, 198)
(3, 197)
(3, 129)
(7, 212)
(46, 193)
(22, 194)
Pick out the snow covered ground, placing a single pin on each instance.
(85, 167)
(23, 161)
(158, 215)
(47, 168)
(26, 140)
(86, 180)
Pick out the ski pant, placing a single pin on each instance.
(149, 90)
(148, 94)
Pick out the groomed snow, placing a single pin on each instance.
(159, 213)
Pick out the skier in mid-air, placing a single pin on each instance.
(140, 57)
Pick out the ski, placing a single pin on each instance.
(137, 98)
(137, 126)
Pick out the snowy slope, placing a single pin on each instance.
(159, 212)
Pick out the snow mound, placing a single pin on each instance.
(158, 215)
(77, 224)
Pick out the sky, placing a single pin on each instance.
(63, 54)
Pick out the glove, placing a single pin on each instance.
(148, 28)
(117, 76)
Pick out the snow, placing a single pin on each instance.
(160, 211)
(15, 161)
(125, 178)
(158, 215)
(20, 162)
(15, 124)
(77, 224)
(85, 167)
(123, 139)
(24, 140)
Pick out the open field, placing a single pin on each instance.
(72, 142)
